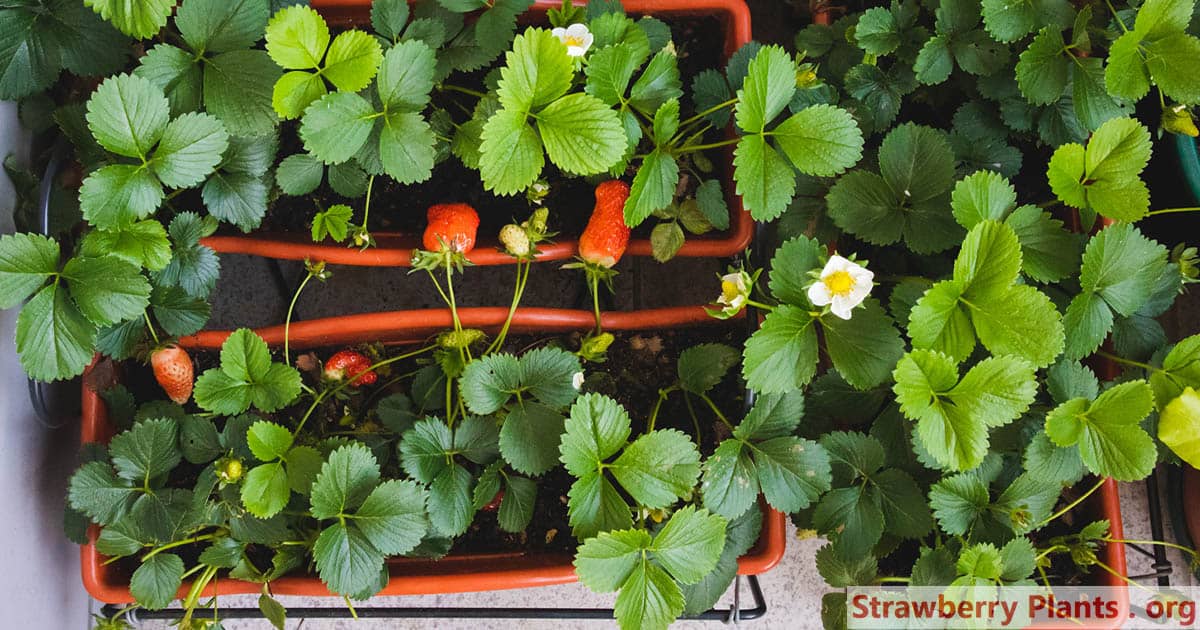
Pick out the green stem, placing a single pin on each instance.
(1123, 578)
(150, 326)
(711, 110)
(1049, 550)
(464, 353)
(367, 204)
(687, 400)
(712, 405)
(287, 323)
(438, 285)
(594, 285)
(1171, 211)
(1130, 362)
(704, 147)
(663, 394)
(1116, 17)
(350, 605)
(759, 305)
(447, 87)
(178, 543)
(893, 580)
(198, 585)
(1190, 552)
(522, 279)
(1072, 505)
(450, 409)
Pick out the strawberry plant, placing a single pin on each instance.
(953, 190)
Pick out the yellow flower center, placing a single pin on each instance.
(573, 40)
(729, 290)
(839, 283)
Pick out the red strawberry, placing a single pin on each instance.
(494, 504)
(352, 365)
(606, 235)
(453, 224)
(174, 371)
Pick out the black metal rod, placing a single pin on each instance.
(733, 613)
(37, 389)
(1162, 566)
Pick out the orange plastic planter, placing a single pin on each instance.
(394, 249)
(409, 576)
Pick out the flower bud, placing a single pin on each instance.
(595, 347)
(537, 191)
(537, 222)
(806, 76)
(230, 469)
(515, 240)
(1178, 120)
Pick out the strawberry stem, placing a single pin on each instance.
(1074, 503)
(287, 323)
(1171, 211)
(716, 410)
(522, 279)
(150, 327)
(692, 412)
(594, 285)
(463, 352)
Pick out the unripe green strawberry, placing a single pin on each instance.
(515, 240)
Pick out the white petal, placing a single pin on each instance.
(836, 263)
(575, 51)
(862, 275)
(819, 294)
(841, 307)
(577, 30)
(858, 294)
(559, 32)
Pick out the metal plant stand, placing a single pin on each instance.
(732, 615)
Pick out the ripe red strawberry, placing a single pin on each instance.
(174, 371)
(453, 224)
(494, 504)
(352, 365)
(606, 235)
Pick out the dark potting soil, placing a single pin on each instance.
(639, 364)
(401, 208)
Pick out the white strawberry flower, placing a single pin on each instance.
(577, 380)
(735, 290)
(842, 285)
(577, 38)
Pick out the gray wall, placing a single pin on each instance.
(40, 587)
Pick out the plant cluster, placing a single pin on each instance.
(925, 410)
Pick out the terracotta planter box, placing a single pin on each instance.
(394, 249)
(454, 573)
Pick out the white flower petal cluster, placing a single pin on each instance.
(577, 38)
(842, 285)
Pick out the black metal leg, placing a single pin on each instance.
(733, 614)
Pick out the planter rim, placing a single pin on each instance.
(454, 573)
(395, 249)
